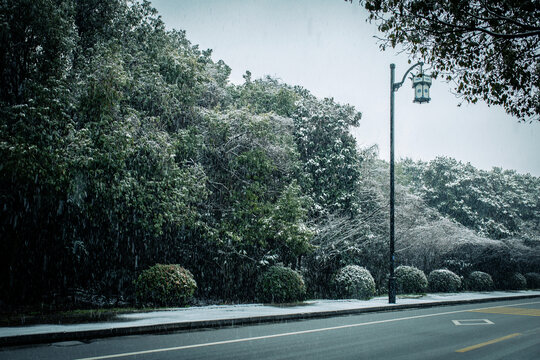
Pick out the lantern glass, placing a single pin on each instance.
(421, 84)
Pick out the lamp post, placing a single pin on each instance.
(421, 84)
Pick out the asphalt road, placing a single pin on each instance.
(495, 330)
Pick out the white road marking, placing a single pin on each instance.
(177, 348)
(472, 322)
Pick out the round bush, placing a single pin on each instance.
(516, 281)
(443, 280)
(410, 280)
(281, 285)
(165, 285)
(533, 280)
(479, 281)
(353, 282)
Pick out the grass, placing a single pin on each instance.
(33, 315)
(77, 316)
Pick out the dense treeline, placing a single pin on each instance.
(123, 145)
(448, 215)
(491, 219)
(497, 203)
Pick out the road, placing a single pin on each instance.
(496, 330)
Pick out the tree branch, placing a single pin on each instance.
(468, 28)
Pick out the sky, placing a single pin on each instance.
(329, 48)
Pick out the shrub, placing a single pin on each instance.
(515, 281)
(459, 267)
(354, 282)
(479, 281)
(410, 280)
(533, 280)
(165, 285)
(280, 285)
(443, 280)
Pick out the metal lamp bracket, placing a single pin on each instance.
(399, 84)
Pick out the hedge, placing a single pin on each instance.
(353, 282)
(165, 285)
(443, 280)
(281, 285)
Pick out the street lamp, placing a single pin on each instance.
(421, 84)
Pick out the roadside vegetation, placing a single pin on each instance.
(124, 146)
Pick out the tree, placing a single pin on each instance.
(91, 186)
(495, 203)
(124, 145)
(330, 160)
(255, 206)
(265, 95)
(36, 44)
(488, 49)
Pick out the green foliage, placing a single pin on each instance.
(443, 281)
(124, 145)
(353, 282)
(257, 209)
(91, 190)
(327, 150)
(497, 258)
(464, 219)
(488, 49)
(37, 43)
(280, 284)
(35, 58)
(533, 280)
(513, 281)
(410, 280)
(495, 203)
(165, 285)
(329, 161)
(479, 281)
(264, 96)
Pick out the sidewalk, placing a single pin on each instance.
(228, 315)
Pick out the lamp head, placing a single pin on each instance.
(421, 84)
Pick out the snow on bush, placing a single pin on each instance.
(443, 280)
(353, 282)
(410, 280)
(479, 281)
(165, 285)
(281, 284)
(533, 280)
(515, 281)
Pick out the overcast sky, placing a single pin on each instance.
(328, 47)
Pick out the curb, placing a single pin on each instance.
(193, 325)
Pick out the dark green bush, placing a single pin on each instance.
(353, 282)
(533, 280)
(443, 280)
(479, 281)
(165, 285)
(515, 281)
(410, 280)
(280, 284)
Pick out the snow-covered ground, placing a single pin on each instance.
(218, 312)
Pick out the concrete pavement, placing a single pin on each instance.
(228, 315)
